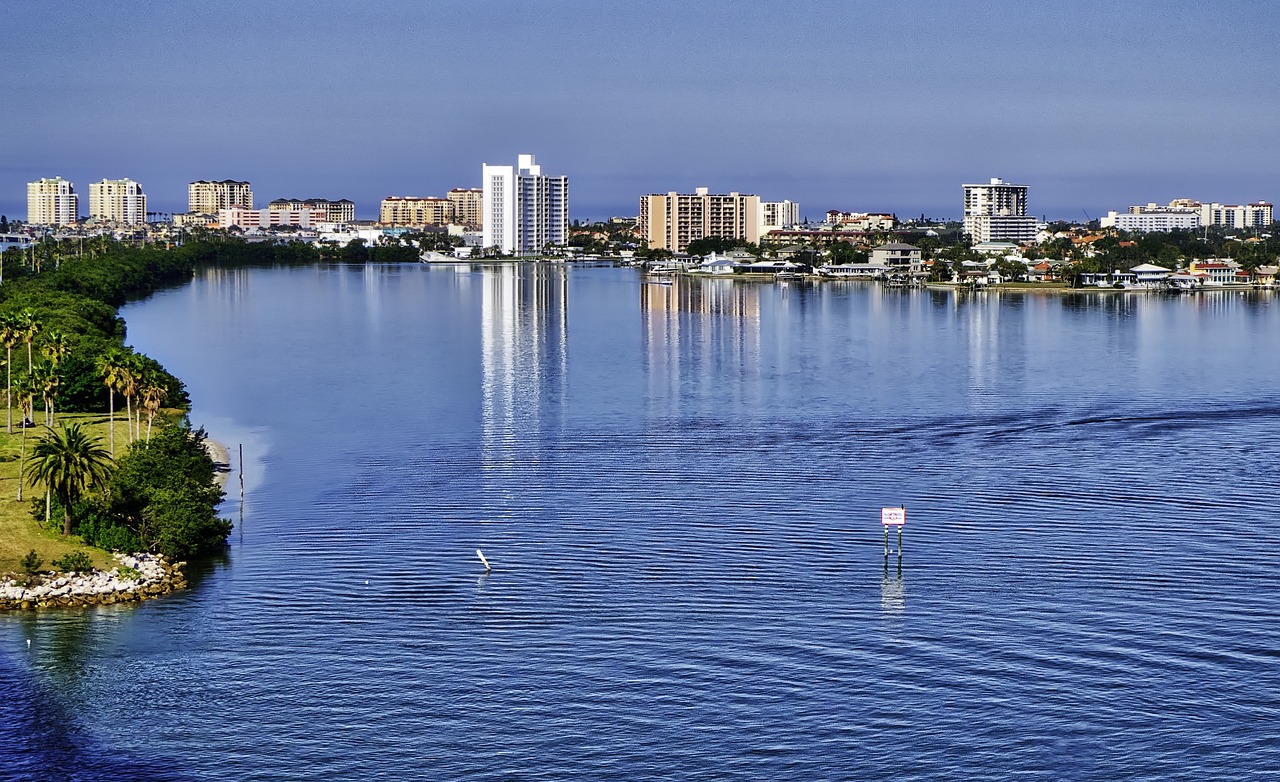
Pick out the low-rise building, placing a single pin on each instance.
(860, 221)
(237, 217)
(340, 211)
(1150, 274)
(1214, 271)
(896, 254)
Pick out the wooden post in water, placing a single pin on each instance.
(242, 472)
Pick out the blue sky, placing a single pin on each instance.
(867, 106)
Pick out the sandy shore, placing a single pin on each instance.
(220, 455)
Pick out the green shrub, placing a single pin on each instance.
(77, 562)
(31, 563)
(127, 573)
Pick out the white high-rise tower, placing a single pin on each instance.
(997, 211)
(524, 211)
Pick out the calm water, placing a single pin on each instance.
(679, 488)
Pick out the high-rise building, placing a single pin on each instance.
(524, 211)
(468, 205)
(208, 198)
(342, 211)
(414, 211)
(672, 221)
(118, 200)
(52, 202)
(775, 215)
(997, 212)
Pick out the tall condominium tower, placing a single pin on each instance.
(671, 221)
(118, 200)
(997, 212)
(207, 198)
(524, 211)
(52, 202)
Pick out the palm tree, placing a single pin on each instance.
(30, 328)
(24, 398)
(48, 380)
(153, 394)
(69, 463)
(10, 334)
(112, 365)
(56, 348)
(130, 371)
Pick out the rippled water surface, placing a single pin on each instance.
(679, 489)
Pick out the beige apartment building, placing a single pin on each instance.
(208, 198)
(411, 210)
(468, 205)
(52, 202)
(341, 211)
(672, 221)
(118, 200)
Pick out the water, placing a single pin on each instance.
(679, 488)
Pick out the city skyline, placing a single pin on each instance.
(848, 106)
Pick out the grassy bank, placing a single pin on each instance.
(19, 530)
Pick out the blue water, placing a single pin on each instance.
(679, 489)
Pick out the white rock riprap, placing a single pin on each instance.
(154, 576)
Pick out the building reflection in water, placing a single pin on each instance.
(524, 334)
(220, 286)
(695, 331)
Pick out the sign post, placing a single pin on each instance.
(893, 517)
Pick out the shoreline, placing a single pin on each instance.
(221, 456)
(145, 576)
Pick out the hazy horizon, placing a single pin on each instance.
(836, 105)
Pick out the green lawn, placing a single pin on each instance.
(19, 531)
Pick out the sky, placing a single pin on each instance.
(835, 104)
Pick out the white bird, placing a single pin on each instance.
(483, 561)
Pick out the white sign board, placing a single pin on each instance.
(893, 517)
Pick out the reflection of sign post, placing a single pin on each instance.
(893, 517)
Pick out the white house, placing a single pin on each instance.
(1150, 275)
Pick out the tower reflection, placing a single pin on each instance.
(524, 335)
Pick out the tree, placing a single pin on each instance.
(163, 492)
(69, 463)
(112, 365)
(25, 395)
(10, 334)
(130, 369)
(153, 394)
(30, 329)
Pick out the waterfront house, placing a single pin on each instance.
(1214, 271)
(1150, 275)
(1266, 276)
(896, 254)
(855, 271)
